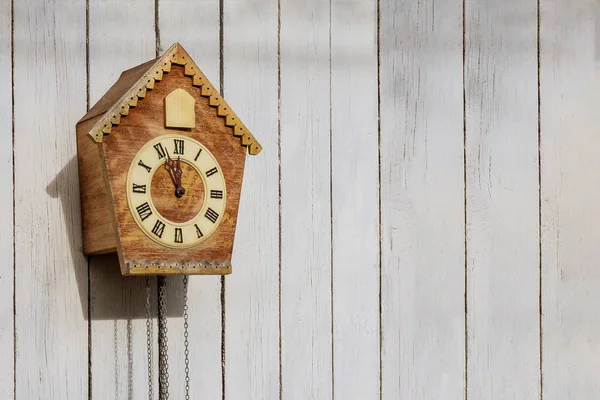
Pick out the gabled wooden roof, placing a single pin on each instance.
(133, 84)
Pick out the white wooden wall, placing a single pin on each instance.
(422, 224)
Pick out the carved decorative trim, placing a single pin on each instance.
(137, 265)
(178, 56)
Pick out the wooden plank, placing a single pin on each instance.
(422, 200)
(502, 200)
(201, 41)
(6, 205)
(118, 326)
(355, 208)
(252, 302)
(570, 172)
(51, 271)
(306, 341)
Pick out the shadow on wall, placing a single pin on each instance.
(110, 295)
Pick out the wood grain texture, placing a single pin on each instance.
(145, 122)
(502, 194)
(6, 205)
(97, 219)
(201, 40)
(186, 207)
(570, 172)
(252, 295)
(96, 214)
(51, 272)
(117, 306)
(355, 198)
(422, 213)
(306, 331)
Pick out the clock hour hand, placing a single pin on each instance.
(173, 167)
(179, 190)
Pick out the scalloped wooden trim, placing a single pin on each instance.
(175, 268)
(175, 55)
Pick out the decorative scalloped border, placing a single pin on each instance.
(178, 56)
(180, 266)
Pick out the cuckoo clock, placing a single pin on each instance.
(161, 160)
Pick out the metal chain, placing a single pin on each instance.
(129, 359)
(163, 365)
(185, 338)
(116, 358)
(149, 340)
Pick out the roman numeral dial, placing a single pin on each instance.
(165, 213)
(139, 188)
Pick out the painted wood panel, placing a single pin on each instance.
(570, 172)
(250, 52)
(6, 204)
(51, 272)
(502, 199)
(306, 331)
(339, 221)
(355, 199)
(422, 200)
(200, 38)
(119, 361)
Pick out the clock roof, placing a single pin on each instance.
(133, 84)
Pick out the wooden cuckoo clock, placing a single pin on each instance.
(161, 160)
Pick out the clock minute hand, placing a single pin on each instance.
(170, 167)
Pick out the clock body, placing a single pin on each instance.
(132, 209)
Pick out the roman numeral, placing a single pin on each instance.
(159, 149)
(178, 235)
(144, 211)
(197, 155)
(139, 188)
(198, 231)
(216, 194)
(211, 215)
(178, 146)
(141, 164)
(211, 171)
(158, 229)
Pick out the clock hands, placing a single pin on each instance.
(179, 190)
(170, 167)
(173, 167)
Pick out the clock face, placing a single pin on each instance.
(176, 191)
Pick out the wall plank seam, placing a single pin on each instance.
(539, 166)
(89, 264)
(223, 278)
(14, 253)
(379, 213)
(331, 212)
(465, 208)
(280, 344)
